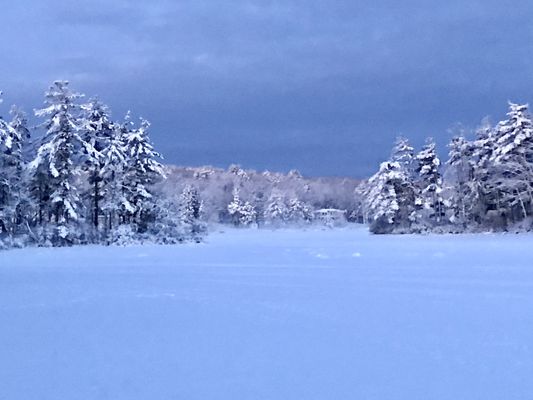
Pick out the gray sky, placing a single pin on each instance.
(323, 86)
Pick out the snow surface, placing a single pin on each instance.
(335, 314)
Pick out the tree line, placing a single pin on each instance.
(91, 179)
(485, 185)
(87, 179)
(249, 198)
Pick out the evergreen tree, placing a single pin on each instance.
(276, 211)
(55, 169)
(98, 131)
(167, 229)
(512, 164)
(462, 191)
(242, 213)
(431, 211)
(189, 213)
(10, 164)
(403, 154)
(484, 195)
(299, 212)
(113, 163)
(389, 200)
(23, 206)
(141, 173)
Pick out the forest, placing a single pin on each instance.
(486, 185)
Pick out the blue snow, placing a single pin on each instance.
(255, 314)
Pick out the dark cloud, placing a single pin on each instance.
(323, 86)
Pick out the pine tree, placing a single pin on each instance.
(403, 154)
(361, 196)
(431, 204)
(189, 213)
(141, 173)
(98, 131)
(242, 213)
(484, 195)
(167, 229)
(13, 200)
(55, 169)
(461, 187)
(512, 164)
(299, 212)
(8, 196)
(276, 211)
(248, 214)
(389, 200)
(114, 161)
(19, 123)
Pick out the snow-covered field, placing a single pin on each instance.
(277, 315)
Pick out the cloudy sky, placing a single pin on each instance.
(323, 86)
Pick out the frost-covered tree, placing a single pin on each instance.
(11, 163)
(512, 164)
(166, 229)
(299, 212)
(18, 164)
(403, 154)
(112, 175)
(276, 211)
(431, 210)
(484, 197)
(389, 199)
(189, 213)
(98, 131)
(360, 212)
(141, 173)
(242, 212)
(462, 192)
(55, 169)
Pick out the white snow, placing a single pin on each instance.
(255, 314)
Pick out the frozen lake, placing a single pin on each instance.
(279, 315)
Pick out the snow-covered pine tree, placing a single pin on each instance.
(512, 164)
(389, 199)
(248, 214)
(19, 123)
(276, 211)
(360, 212)
(98, 131)
(461, 190)
(299, 212)
(112, 175)
(242, 213)
(55, 168)
(167, 229)
(431, 210)
(403, 154)
(141, 173)
(189, 213)
(484, 199)
(10, 176)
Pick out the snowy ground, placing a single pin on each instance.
(271, 315)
